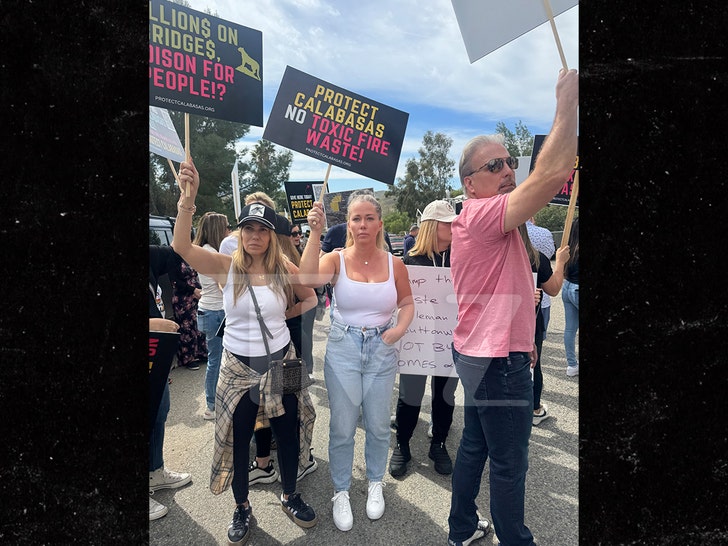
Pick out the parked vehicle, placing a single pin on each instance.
(397, 242)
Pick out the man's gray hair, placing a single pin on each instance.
(474, 144)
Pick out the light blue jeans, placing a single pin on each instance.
(570, 297)
(359, 369)
(208, 322)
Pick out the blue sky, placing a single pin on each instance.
(410, 55)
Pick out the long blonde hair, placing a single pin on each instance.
(426, 242)
(274, 263)
(211, 230)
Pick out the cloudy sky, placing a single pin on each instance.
(410, 55)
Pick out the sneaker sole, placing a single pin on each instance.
(269, 479)
(300, 522)
(158, 514)
(242, 541)
(344, 528)
(174, 485)
(309, 470)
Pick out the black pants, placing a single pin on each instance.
(411, 391)
(285, 429)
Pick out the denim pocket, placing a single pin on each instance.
(336, 333)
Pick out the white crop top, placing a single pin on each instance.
(367, 304)
(242, 329)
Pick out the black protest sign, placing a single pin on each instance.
(204, 65)
(300, 196)
(162, 348)
(321, 120)
(564, 195)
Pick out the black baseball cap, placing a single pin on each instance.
(257, 212)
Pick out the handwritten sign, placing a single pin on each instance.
(563, 197)
(321, 120)
(426, 348)
(204, 65)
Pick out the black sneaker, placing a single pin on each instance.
(300, 512)
(400, 457)
(443, 463)
(239, 528)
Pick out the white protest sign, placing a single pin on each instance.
(163, 137)
(488, 25)
(426, 348)
(236, 191)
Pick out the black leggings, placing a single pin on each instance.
(285, 429)
(411, 391)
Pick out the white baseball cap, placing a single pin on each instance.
(439, 210)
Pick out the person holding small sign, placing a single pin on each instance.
(493, 341)
(257, 271)
(431, 248)
(373, 307)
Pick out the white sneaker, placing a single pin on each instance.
(167, 479)
(571, 371)
(375, 500)
(156, 510)
(343, 518)
(209, 414)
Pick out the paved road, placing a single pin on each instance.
(417, 505)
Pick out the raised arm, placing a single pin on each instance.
(556, 159)
(315, 272)
(212, 264)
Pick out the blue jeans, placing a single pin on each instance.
(156, 439)
(498, 418)
(546, 314)
(208, 322)
(570, 297)
(359, 369)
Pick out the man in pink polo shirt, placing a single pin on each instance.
(493, 346)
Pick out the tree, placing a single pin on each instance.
(397, 222)
(212, 147)
(426, 178)
(519, 143)
(267, 172)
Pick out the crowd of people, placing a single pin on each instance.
(257, 304)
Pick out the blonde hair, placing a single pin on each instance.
(274, 263)
(368, 198)
(260, 197)
(211, 230)
(426, 242)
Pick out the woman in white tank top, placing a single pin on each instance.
(373, 307)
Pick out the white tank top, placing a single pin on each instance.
(367, 304)
(242, 329)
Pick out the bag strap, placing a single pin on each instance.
(263, 328)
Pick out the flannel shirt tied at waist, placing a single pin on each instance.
(235, 380)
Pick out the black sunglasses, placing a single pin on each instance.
(295, 234)
(496, 165)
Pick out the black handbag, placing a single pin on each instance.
(287, 375)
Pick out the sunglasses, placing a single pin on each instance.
(496, 165)
(295, 234)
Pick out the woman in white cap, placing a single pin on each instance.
(431, 248)
(256, 269)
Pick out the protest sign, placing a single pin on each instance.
(162, 348)
(426, 347)
(563, 197)
(300, 197)
(321, 120)
(516, 17)
(163, 137)
(335, 206)
(204, 65)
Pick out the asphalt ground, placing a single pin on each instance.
(417, 505)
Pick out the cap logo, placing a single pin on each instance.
(257, 210)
